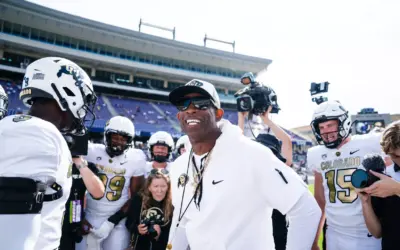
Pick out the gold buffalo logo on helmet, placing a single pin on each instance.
(183, 180)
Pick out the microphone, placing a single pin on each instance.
(362, 178)
(374, 162)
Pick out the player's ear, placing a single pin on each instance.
(178, 116)
(219, 113)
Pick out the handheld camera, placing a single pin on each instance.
(255, 97)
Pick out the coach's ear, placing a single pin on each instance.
(219, 113)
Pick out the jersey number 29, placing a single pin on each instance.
(116, 185)
(348, 194)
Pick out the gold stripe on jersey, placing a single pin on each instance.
(348, 162)
(116, 171)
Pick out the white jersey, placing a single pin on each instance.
(116, 174)
(33, 148)
(149, 167)
(343, 207)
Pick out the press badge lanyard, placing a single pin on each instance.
(200, 178)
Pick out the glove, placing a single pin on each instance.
(92, 242)
(104, 230)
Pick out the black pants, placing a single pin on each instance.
(70, 236)
(280, 230)
(67, 241)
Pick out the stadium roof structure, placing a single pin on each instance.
(77, 29)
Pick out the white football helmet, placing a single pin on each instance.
(3, 103)
(164, 139)
(331, 110)
(122, 126)
(64, 81)
(183, 142)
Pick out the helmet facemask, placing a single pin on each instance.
(157, 157)
(116, 150)
(84, 115)
(341, 132)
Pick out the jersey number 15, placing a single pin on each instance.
(348, 194)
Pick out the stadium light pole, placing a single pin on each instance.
(218, 41)
(173, 31)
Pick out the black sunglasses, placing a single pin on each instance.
(199, 103)
(162, 171)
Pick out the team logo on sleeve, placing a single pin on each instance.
(21, 118)
(183, 180)
(338, 153)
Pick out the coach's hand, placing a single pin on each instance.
(104, 230)
(142, 228)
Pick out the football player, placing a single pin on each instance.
(121, 169)
(3, 103)
(182, 145)
(35, 161)
(333, 162)
(161, 145)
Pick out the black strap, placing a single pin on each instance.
(21, 195)
(55, 196)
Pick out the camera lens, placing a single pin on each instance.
(359, 178)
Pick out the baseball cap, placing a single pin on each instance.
(272, 143)
(195, 86)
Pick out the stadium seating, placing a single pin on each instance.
(148, 116)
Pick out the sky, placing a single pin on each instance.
(355, 45)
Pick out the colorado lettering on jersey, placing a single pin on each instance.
(116, 171)
(348, 162)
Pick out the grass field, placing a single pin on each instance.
(311, 188)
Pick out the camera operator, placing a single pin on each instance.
(84, 177)
(280, 134)
(279, 223)
(150, 213)
(380, 201)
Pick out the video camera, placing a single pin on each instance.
(78, 145)
(363, 178)
(319, 88)
(255, 97)
(156, 218)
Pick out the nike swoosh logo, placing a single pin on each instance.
(352, 152)
(216, 182)
(122, 163)
(369, 235)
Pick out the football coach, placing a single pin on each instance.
(225, 188)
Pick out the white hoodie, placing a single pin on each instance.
(242, 183)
